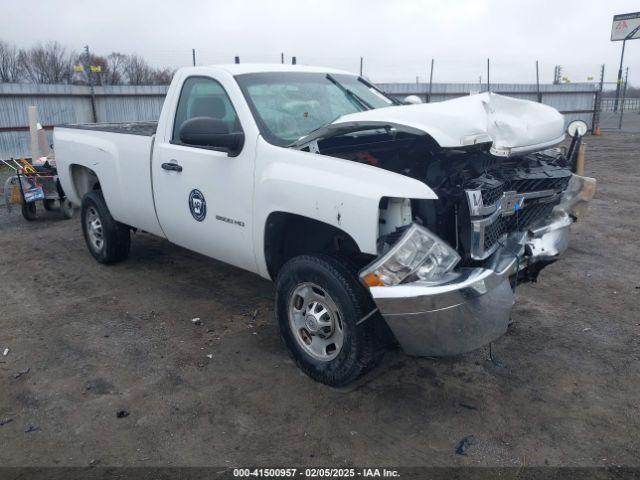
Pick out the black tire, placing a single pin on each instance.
(67, 209)
(361, 348)
(29, 211)
(48, 204)
(115, 237)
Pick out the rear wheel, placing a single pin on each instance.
(108, 241)
(29, 211)
(319, 307)
(66, 207)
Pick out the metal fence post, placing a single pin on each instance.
(619, 82)
(430, 83)
(538, 83)
(624, 94)
(597, 104)
(488, 78)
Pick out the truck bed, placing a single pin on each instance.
(145, 129)
(119, 155)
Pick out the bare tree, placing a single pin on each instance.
(138, 71)
(48, 63)
(163, 76)
(114, 71)
(9, 65)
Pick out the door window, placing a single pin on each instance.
(204, 97)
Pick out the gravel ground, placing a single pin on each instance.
(92, 341)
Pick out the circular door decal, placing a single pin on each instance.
(197, 205)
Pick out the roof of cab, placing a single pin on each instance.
(241, 68)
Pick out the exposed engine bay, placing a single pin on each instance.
(481, 197)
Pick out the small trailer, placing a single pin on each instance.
(32, 184)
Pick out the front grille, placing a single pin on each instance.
(521, 220)
(500, 207)
(537, 184)
(492, 194)
(493, 233)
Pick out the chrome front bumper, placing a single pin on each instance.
(473, 308)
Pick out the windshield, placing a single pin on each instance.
(290, 105)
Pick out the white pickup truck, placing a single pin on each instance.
(379, 222)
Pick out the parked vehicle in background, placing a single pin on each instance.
(378, 222)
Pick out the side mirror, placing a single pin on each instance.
(577, 128)
(213, 133)
(412, 100)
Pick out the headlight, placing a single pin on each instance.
(418, 252)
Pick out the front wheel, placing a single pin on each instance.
(320, 306)
(108, 241)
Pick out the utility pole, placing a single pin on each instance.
(92, 89)
(361, 66)
(193, 55)
(557, 74)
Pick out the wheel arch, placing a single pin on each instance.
(83, 180)
(287, 235)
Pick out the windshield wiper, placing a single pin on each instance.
(371, 85)
(311, 132)
(354, 96)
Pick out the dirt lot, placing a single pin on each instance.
(98, 340)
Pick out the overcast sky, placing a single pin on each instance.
(396, 38)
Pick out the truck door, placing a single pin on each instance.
(203, 197)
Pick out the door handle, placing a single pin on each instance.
(172, 167)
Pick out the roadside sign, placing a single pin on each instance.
(626, 25)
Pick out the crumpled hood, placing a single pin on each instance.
(511, 125)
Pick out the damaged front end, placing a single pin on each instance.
(445, 276)
(471, 305)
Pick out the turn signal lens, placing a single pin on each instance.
(372, 280)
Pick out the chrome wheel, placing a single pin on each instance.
(94, 228)
(315, 322)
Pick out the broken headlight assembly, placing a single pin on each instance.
(418, 253)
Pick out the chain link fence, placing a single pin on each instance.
(625, 116)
